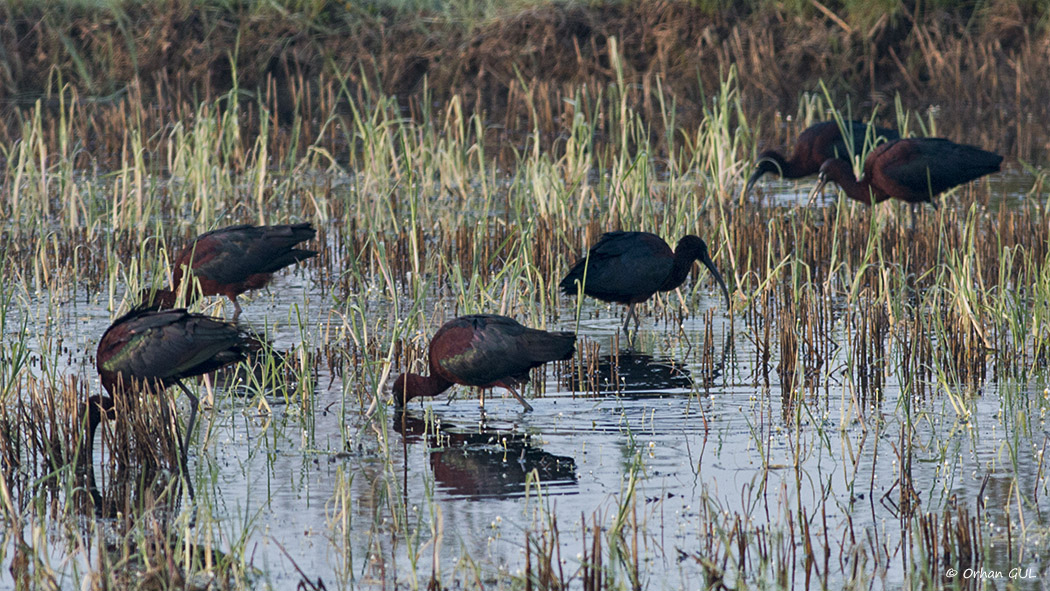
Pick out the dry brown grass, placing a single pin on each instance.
(525, 68)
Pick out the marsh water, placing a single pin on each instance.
(676, 445)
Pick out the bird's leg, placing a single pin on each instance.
(627, 320)
(236, 308)
(184, 443)
(913, 213)
(524, 403)
(194, 401)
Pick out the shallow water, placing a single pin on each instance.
(376, 503)
(1008, 188)
(676, 447)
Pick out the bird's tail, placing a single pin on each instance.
(551, 346)
(299, 232)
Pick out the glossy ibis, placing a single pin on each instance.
(912, 170)
(813, 147)
(629, 267)
(147, 351)
(486, 351)
(232, 260)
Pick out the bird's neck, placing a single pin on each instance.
(857, 190)
(792, 169)
(92, 412)
(163, 299)
(681, 265)
(417, 385)
(177, 286)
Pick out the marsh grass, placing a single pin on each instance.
(421, 220)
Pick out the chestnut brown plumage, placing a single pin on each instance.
(818, 143)
(912, 170)
(148, 351)
(232, 260)
(485, 351)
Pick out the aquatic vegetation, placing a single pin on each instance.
(873, 401)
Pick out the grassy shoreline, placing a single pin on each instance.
(519, 66)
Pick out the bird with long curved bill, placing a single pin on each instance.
(147, 351)
(818, 143)
(630, 267)
(912, 170)
(485, 351)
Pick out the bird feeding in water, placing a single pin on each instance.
(146, 352)
(629, 267)
(232, 260)
(485, 351)
(912, 170)
(817, 144)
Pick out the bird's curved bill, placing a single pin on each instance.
(718, 278)
(817, 190)
(750, 183)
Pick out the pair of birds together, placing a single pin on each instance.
(909, 169)
(155, 346)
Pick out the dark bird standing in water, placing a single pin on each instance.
(912, 170)
(815, 145)
(486, 351)
(145, 352)
(629, 267)
(230, 261)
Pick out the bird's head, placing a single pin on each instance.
(769, 161)
(833, 170)
(401, 396)
(697, 248)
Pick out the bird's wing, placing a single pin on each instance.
(175, 344)
(623, 265)
(502, 350)
(231, 255)
(937, 164)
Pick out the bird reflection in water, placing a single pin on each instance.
(630, 372)
(485, 464)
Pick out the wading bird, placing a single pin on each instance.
(813, 147)
(629, 267)
(148, 351)
(912, 170)
(486, 351)
(230, 261)
(97, 409)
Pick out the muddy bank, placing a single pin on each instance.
(986, 66)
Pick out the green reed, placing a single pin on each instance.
(426, 225)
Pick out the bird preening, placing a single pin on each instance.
(485, 351)
(232, 260)
(630, 267)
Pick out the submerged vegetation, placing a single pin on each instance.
(870, 411)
